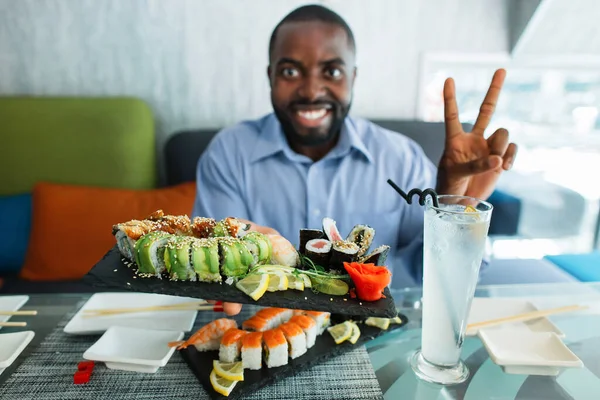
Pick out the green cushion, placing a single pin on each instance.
(107, 142)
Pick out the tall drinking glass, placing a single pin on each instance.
(455, 233)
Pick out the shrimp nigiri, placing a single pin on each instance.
(208, 337)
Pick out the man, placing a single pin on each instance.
(309, 159)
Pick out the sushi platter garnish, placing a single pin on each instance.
(226, 260)
(267, 342)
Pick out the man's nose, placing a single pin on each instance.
(312, 88)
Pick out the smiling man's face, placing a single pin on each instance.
(311, 73)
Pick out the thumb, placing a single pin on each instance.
(480, 165)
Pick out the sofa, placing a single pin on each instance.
(74, 166)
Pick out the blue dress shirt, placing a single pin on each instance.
(249, 171)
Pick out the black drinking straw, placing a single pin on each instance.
(422, 194)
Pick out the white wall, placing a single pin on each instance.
(201, 63)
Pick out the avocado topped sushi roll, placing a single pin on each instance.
(230, 227)
(149, 253)
(259, 245)
(205, 259)
(177, 259)
(236, 259)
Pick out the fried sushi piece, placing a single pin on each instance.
(231, 345)
(252, 350)
(295, 337)
(309, 326)
(275, 348)
(208, 337)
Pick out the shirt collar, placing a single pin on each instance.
(272, 141)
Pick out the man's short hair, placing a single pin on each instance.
(311, 13)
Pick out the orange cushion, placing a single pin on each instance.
(72, 225)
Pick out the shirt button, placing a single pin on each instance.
(316, 212)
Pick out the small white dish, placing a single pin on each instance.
(11, 303)
(133, 349)
(534, 353)
(484, 309)
(157, 320)
(11, 345)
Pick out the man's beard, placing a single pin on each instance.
(314, 137)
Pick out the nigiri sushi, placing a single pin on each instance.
(208, 337)
(295, 337)
(284, 252)
(309, 326)
(276, 348)
(252, 350)
(231, 345)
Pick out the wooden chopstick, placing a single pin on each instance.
(8, 324)
(32, 312)
(526, 316)
(216, 308)
(151, 308)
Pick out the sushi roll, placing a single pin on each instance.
(309, 326)
(174, 224)
(259, 246)
(275, 316)
(128, 233)
(236, 259)
(203, 227)
(275, 348)
(177, 259)
(307, 235)
(284, 253)
(377, 256)
(322, 318)
(204, 255)
(363, 236)
(149, 253)
(319, 251)
(231, 345)
(341, 252)
(252, 350)
(257, 324)
(208, 337)
(295, 337)
(230, 227)
(331, 230)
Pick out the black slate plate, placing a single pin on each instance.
(201, 363)
(113, 273)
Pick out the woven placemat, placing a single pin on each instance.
(48, 374)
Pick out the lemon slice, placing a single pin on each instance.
(270, 268)
(306, 279)
(221, 385)
(470, 209)
(254, 285)
(277, 281)
(355, 333)
(341, 332)
(381, 323)
(396, 320)
(295, 282)
(233, 371)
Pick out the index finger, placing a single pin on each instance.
(486, 111)
(453, 126)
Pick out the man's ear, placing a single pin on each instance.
(354, 74)
(269, 75)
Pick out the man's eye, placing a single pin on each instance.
(289, 72)
(334, 73)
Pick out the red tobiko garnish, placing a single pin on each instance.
(369, 279)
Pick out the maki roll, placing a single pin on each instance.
(319, 251)
(342, 251)
(149, 253)
(331, 230)
(362, 235)
(177, 259)
(252, 350)
(259, 245)
(275, 348)
(204, 254)
(307, 235)
(128, 233)
(236, 259)
(230, 227)
(295, 337)
(309, 326)
(203, 227)
(231, 345)
(377, 256)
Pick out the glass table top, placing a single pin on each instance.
(391, 352)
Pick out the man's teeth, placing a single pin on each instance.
(313, 114)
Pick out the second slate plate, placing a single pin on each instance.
(112, 272)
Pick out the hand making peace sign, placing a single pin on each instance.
(471, 164)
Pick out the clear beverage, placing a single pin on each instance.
(454, 242)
